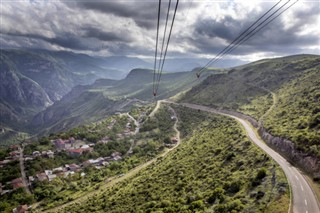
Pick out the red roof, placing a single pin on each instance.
(17, 180)
(22, 208)
(59, 141)
(17, 185)
(76, 150)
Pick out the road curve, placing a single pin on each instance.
(303, 198)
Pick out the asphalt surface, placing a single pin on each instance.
(303, 198)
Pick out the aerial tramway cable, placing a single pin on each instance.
(156, 50)
(164, 34)
(168, 41)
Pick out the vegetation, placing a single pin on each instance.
(207, 172)
(146, 145)
(295, 82)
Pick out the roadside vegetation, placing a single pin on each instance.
(215, 168)
(295, 82)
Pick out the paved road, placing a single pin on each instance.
(304, 200)
(22, 170)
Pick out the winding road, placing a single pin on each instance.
(303, 197)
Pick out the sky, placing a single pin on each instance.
(128, 27)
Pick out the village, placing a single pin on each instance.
(74, 148)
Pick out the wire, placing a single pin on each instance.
(245, 33)
(264, 25)
(248, 34)
(168, 41)
(156, 50)
(164, 34)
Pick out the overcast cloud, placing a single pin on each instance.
(115, 27)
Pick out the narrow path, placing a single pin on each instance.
(114, 180)
(156, 108)
(274, 103)
(22, 170)
(304, 200)
(136, 131)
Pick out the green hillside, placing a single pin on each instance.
(294, 80)
(206, 173)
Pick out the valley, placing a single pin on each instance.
(121, 152)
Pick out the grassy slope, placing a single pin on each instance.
(295, 81)
(208, 171)
(297, 114)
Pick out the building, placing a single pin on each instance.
(174, 140)
(51, 177)
(59, 143)
(20, 209)
(17, 183)
(50, 154)
(41, 176)
(36, 153)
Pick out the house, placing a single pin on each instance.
(28, 158)
(31, 178)
(14, 154)
(75, 152)
(57, 170)
(59, 143)
(20, 209)
(117, 158)
(36, 153)
(50, 154)
(51, 177)
(73, 167)
(41, 176)
(80, 151)
(17, 183)
(116, 154)
(105, 163)
(66, 174)
(174, 140)
(48, 172)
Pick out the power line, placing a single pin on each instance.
(168, 41)
(237, 42)
(262, 27)
(156, 50)
(164, 34)
(239, 36)
(248, 34)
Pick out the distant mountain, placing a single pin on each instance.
(104, 97)
(32, 80)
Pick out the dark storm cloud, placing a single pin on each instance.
(275, 37)
(66, 40)
(142, 13)
(99, 34)
(227, 28)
